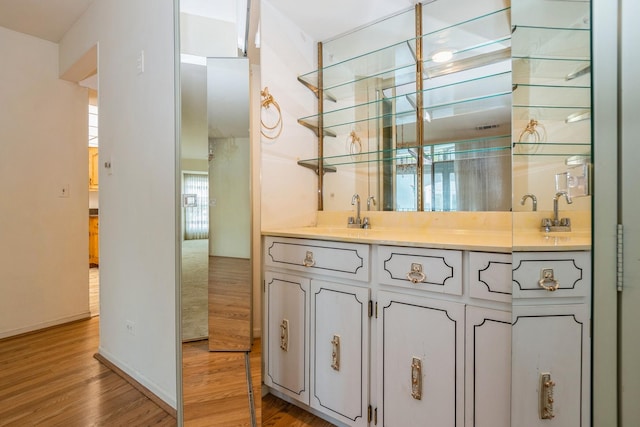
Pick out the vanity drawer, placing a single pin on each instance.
(490, 276)
(571, 274)
(435, 270)
(337, 259)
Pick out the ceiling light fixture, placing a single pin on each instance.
(442, 56)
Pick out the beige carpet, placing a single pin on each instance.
(195, 282)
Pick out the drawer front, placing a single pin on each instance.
(337, 259)
(490, 276)
(571, 274)
(434, 270)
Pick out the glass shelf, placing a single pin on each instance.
(467, 107)
(552, 96)
(452, 150)
(551, 43)
(548, 113)
(440, 101)
(382, 63)
(547, 149)
(552, 72)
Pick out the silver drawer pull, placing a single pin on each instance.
(416, 275)
(308, 259)
(546, 276)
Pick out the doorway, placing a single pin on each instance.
(94, 211)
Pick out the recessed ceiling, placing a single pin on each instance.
(45, 19)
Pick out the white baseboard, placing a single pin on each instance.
(45, 325)
(138, 377)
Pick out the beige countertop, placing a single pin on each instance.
(475, 232)
(437, 239)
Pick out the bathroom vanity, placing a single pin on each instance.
(394, 326)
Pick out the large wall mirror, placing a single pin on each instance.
(433, 140)
(216, 288)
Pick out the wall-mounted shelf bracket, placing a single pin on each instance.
(313, 165)
(314, 128)
(326, 95)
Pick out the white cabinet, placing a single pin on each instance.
(420, 372)
(340, 351)
(287, 338)
(487, 368)
(551, 339)
(490, 276)
(388, 335)
(423, 269)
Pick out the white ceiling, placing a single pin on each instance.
(328, 18)
(45, 19)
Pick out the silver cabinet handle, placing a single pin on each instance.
(547, 281)
(284, 335)
(416, 378)
(416, 275)
(308, 259)
(546, 396)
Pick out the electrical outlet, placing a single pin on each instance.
(63, 190)
(140, 62)
(131, 327)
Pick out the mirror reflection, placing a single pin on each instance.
(436, 140)
(218, 358)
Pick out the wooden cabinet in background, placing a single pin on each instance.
(93, 242)
(93, 168)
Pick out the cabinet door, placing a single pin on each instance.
(340, 351)
(94, 258)
(93, 168)
(420, 369)
(488, 368)
(287, 344)
(553, 340)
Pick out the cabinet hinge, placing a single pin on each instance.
(619, 259)
(369, 413)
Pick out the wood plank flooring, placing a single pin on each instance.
(229, 303)
(215, 386)
(50, 378)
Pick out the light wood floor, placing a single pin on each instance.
(229, 303)
(94, 291)
(50, 378)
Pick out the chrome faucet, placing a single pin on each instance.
(357, 222)
(556, 223)
(355, 200)
(559, 194)
(534, 201)
(371, 200)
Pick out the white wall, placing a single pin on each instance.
(289, 191)
(194, 138)
(138, 197)
(43, 237)
(229, 199)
